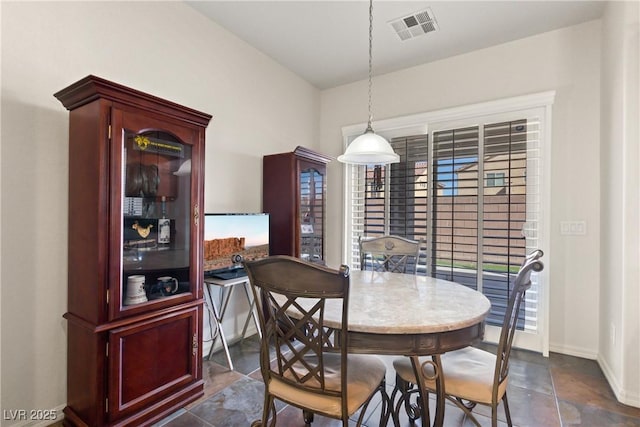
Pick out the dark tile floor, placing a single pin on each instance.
(543, 392)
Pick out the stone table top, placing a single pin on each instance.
(396, 303)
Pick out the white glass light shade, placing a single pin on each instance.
(369, 149)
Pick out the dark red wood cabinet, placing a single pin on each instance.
(135, 298)
(294, 187)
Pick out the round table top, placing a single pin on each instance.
(396, 303)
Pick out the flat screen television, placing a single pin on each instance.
(230, 238)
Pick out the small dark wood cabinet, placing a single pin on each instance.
(294, 187)
(135, 301)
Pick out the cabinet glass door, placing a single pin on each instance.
(156, 202)
(312, 185)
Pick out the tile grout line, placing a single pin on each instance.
(555, 394)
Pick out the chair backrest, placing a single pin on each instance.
(521, 283)
(292, 296)
(389, 253)
(536, 254)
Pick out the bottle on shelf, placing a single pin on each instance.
(164, 227)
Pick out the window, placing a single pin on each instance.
(495, 179)
(471, 191)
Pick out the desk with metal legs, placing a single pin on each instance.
(226, 288)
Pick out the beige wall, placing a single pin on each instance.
(619, 349)
(163, 48)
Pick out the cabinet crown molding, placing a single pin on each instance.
(92, 87)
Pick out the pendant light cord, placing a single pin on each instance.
(369, 148)
(369, 128)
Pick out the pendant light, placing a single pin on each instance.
(369, 148)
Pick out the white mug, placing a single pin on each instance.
(135, 290)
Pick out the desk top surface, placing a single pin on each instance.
(227, 282)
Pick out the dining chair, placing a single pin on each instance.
(389, 253)
(311, 369)
(471, 375)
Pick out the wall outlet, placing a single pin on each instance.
(573, 228)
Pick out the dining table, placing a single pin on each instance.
(410, 315)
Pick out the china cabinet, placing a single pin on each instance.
(135, 301)
(294, 191)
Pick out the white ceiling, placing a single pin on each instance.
(326, 42)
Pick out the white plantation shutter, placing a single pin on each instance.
(357, 185)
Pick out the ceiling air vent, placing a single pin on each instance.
(415, 25)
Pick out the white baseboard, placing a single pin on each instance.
(623, 396)
(573, 351)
